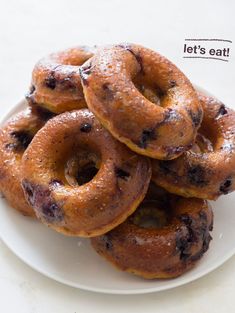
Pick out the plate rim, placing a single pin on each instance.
(193, 278)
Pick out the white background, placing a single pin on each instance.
(31, 29)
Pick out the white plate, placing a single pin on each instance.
(73, 262)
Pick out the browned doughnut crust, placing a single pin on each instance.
(164, 252)
(15, 136)
(56, 84)
(210, 171)
(161, 122)
(76, 139)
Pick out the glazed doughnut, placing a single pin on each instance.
(56, 84)
(15, 136)
(164, 238)
(143, 99)
(79, 179)
(208, 170)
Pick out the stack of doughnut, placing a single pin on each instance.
(116, 145)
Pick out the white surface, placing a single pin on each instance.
(31, 29)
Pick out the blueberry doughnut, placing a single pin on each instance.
(165, 237)
(143, 99)
(56, 84)
(208, 169)
(15, 136)
(79, 179)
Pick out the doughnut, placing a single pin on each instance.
(165, 237)
(15, 137)
(144, 100)
(56, 84)
(208, 169)
(79, 179)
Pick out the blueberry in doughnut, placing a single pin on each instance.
(165, 237)
(56, 84)
(79, 179)
(15, 136)
(143, 99)
(208, 169)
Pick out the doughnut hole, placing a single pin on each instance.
(209, 133)
(213, 124)
(154, 211)
(150, 215)
(152, 93)
(202, 144)
(81, 168)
